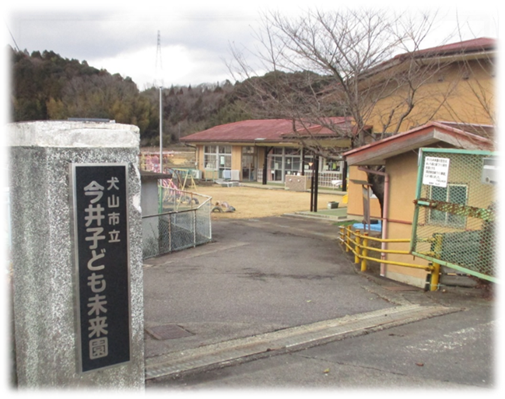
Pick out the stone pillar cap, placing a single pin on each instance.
(72, 134)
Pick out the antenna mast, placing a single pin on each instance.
(158, 69)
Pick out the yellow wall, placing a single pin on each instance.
(402, 172)
(199, 157)
(355, 202)
(236, 158)
(457, 93)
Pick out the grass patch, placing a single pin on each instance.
(346, 222)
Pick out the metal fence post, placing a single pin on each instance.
(194, 228)
(170, 236)
(435, 274)
(364, 252)
(357, 247)
(347, 238)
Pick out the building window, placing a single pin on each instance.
(218, 158)
(210, 161)
(330, 165)
(224, 149)
(209, 149)
(453, 193)
(284, 161)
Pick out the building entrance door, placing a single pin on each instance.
(248, 167)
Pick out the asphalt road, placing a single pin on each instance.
(421, 356)
(271, 274)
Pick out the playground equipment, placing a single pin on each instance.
(186, 177)
(222, 206)
(172, 191)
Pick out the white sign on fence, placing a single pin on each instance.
(436, 171)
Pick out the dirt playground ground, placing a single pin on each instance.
(251, 202)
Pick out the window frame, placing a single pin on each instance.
(433, 215)
(218, 157)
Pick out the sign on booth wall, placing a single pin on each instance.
(436, 171)
(100, 207)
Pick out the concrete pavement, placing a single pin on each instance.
(279, 300)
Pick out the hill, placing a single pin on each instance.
(46, 86)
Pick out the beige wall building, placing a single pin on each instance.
(457, 84)
(453, 82)
(265, 150)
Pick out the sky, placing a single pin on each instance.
(195, 36)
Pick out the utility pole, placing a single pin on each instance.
(158, 82)
(161, 131)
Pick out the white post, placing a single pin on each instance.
(161, 132)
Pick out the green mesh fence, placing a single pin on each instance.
(455, 214)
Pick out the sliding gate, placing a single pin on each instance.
(456, 210)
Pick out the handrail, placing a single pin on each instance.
(398, 240)
(357, 243)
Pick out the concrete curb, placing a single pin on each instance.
(287, 340)
(308, 215)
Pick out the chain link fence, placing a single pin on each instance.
(183, 222)
(455, 211)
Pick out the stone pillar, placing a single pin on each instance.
(45, 275)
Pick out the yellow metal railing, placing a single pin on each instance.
(358, 243)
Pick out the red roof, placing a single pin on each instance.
(459, 136)
(467, 46)
(264, 130)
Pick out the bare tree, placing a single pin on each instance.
(363, 64)
(338, 66)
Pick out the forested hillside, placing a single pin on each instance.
(46, 86)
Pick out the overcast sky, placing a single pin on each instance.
(195, 35)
